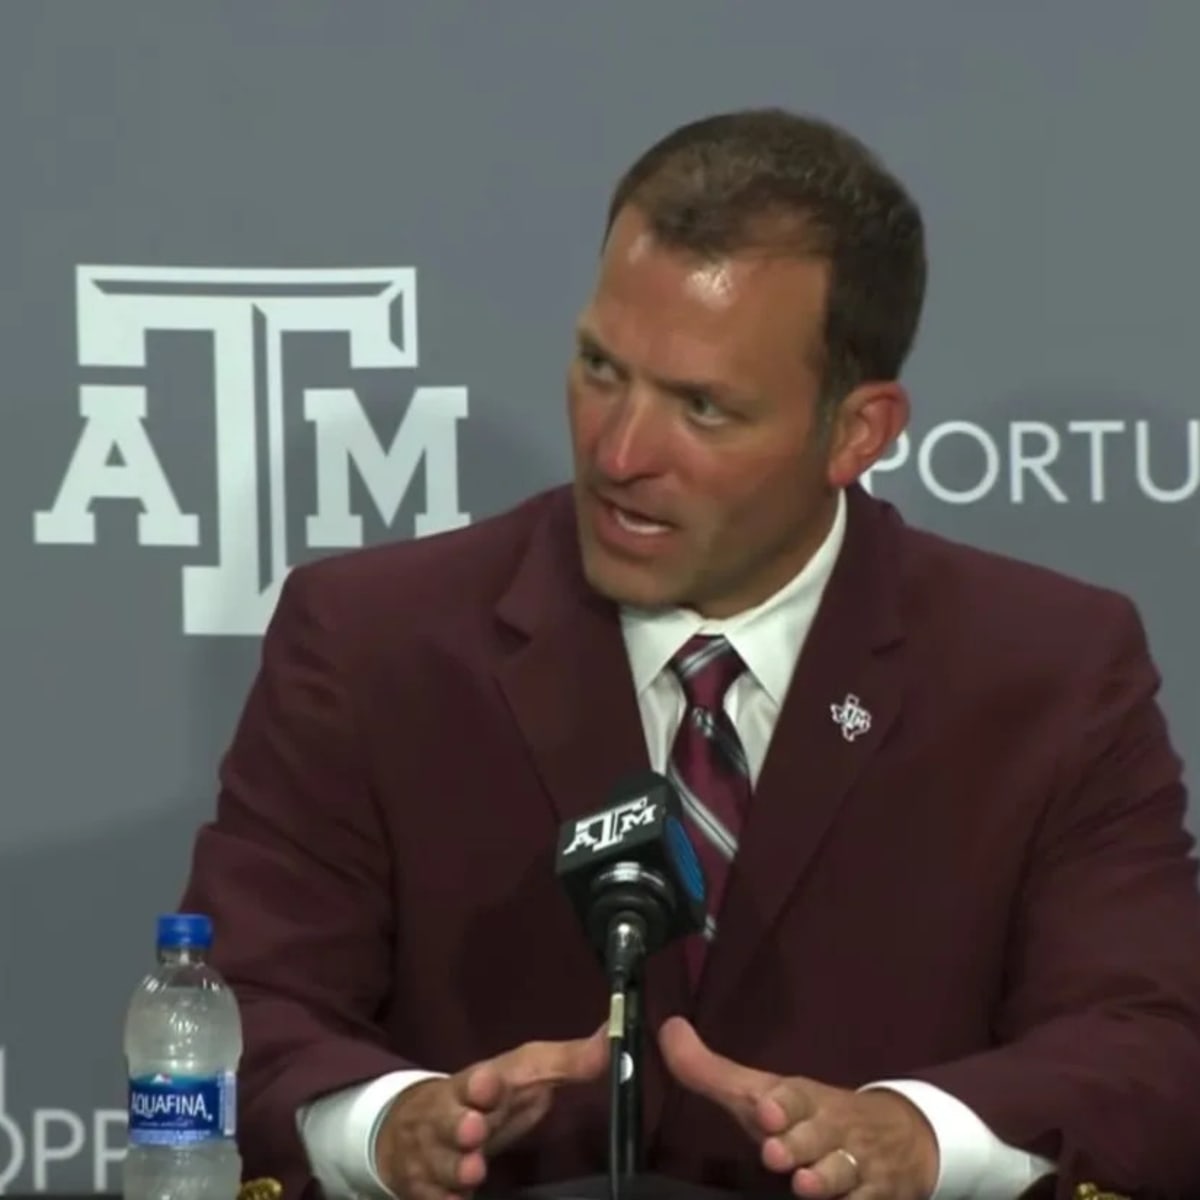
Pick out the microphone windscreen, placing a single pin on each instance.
(637, 844)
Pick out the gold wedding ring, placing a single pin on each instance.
(851, 1160)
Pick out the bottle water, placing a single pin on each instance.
(183, 1042)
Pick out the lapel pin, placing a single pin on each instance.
(850, 717)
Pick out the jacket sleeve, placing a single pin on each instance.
(294, 870)
(1097, 1062)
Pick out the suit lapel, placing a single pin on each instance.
(568, 681)
(569, 687)
(852, 654)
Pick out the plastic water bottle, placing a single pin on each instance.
(183, 1043)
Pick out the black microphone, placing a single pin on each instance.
(632, 874)
(633, 877)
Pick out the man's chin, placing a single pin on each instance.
(627, 584)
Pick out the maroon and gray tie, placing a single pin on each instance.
(708, 767)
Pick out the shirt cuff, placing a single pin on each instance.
(973, 1163)
(338, 1132)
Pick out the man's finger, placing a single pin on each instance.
(457, 1163)
(720, 1079)
(527, 1109)
(471, 1130)
(799, 1145)
(472, 1171)
(483, 1100)
(483, 1087)
(837, 1174)
(580, 1060)
(576, 1061)
(485, 1128)
(787, 1103)
(449, 1170)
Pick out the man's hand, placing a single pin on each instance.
(436, 1137)
(832, 1142)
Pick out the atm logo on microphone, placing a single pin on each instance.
(610, 828)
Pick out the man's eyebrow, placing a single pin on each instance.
(687, 388)
(587, 340)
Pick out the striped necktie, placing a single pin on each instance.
(708, 767)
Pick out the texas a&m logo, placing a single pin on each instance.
(246, 315)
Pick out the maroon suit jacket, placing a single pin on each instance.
(991, 890)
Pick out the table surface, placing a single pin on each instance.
(649, 1187)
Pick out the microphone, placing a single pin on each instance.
(632, 875)
(635, 882)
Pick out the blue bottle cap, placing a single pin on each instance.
(177, 930)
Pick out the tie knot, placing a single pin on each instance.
(705, 667)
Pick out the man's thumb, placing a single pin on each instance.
(686, 1055)
(587, 1058)
(703, 1070)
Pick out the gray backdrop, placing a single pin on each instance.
(282, 277)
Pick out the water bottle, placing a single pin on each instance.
(183, 1042)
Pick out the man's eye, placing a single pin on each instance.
(596, 365)
(703, 409)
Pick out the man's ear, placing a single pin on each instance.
(864, 426)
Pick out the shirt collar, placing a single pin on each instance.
(768, 637)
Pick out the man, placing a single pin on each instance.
(956, 937)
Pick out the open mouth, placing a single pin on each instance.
(637, 523)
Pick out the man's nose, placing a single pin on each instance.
(631, 441)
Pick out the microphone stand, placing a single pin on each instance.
(625, 1063)
(631, 1093)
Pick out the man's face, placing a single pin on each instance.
(701, 470)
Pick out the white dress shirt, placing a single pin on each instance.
(338, 1130)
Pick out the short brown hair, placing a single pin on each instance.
(725, 183)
